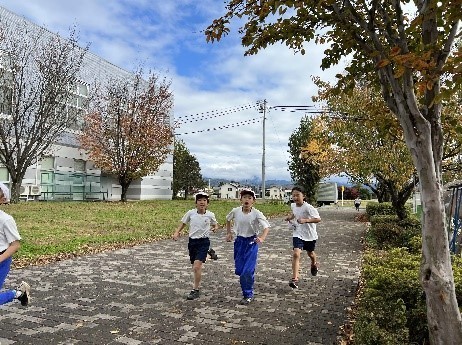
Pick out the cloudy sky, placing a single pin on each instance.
(216, 88)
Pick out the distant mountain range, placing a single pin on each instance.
(255, 181)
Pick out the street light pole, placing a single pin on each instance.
(263, 186)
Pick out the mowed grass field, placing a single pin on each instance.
(58, 230)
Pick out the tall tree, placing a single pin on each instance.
(409, 56)
(186, 171)
(303, 172)
(38, 74)
(127, 133)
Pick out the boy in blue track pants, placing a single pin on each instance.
(9, 244)
(247, 224)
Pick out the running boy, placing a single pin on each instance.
(201, 221)
(9, 244)
(247, 224)
(304, 233)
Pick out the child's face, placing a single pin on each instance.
(202, 202)
(247, 200)
(297, 197)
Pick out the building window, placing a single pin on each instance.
(78, 104)
(48, 163)
(230, 189)
(79, 165)
(4, 176)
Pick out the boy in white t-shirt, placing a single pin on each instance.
(247, 224)
(9, 244)
(302, 221)
(200, 221)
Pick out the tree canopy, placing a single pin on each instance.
(127, 133)
(187, 175)
(304, 173)
(38, 74)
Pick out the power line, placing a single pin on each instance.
(238, 124)
(212, 114)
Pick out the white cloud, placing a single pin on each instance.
(166, 37)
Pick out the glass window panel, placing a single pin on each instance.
(79, 165)
(48, 163)
(4, 176)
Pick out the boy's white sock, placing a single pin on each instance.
(17, 293)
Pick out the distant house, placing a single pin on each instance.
(229, 191)
(275, 193)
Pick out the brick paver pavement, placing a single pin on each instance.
(137, 295)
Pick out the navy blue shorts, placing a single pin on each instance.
(198, 248)
(304, 245)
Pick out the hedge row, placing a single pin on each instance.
(391, 307)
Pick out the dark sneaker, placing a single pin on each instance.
(293, 283)
(212, 254)
(24, 298)
(314, 269)
(246, 300)
(193, 294)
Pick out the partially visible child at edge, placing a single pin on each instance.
(201, 221)
(303, 221)
(247, 224)
(9, 244)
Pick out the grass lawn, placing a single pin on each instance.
(58, 230)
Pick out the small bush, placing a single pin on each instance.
(392, 307)
(382, 208)
(387, 231)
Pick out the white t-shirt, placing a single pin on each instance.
(247, 224)
(8, 231)
(199, 224)
(305, 231)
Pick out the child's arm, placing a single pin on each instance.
(215, 227)
(289, 217)
(229, 234)
(12, 248)
(261, 239)
(178, 230)
(308, 220)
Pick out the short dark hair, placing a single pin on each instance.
(299, 189)
(248, 192)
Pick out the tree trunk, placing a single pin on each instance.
(443, 315)
(124, 183)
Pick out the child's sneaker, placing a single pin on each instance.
(246, 300)
(212, 254)
(193, 294)
(24, 298)
(314, 269)
(293, 283)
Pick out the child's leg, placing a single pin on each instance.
(5, 296)
(314, 263)
(197, 270)
(312, 256)
(296, 263)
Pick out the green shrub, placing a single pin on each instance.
(381, 322)
(387, 231)
(393, 304)
(382, 208)
(385, 208)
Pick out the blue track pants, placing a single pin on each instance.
(5, 296)
(245, 261)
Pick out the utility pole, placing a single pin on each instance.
(263, 186)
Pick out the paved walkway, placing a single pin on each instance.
(137, 295)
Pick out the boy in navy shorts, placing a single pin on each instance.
(302, 221)
(200, 221)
